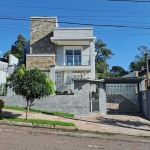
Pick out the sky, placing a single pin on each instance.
(123, 41)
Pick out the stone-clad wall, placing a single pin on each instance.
(77, 104)
(41, 62)
(41, 30)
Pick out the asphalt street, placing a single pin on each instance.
(25, 138)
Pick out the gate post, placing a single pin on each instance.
(102, 98)
(140, 97)
(52, 74)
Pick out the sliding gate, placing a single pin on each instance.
(122, 98)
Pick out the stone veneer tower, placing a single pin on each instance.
(42, 50)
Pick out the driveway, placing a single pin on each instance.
(126, 124)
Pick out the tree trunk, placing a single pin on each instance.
(0, 113)
(27, 109)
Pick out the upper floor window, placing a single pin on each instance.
(73, 57)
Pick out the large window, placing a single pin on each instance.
(73, 57)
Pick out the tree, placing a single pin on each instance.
(103, 53)
(31, 84)
(17, 48)
(139, 61)
(118, 71)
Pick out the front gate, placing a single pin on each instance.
(122, 98)
(94, 98)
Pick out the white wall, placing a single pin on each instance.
(3, 75)
(3, 66)
(13, 60)
(59, 55)
(86, 55)
(73, 32)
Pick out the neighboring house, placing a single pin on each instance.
(3, 74)
(69, 51)
(3, 64)
(141, 73)
(7, 67)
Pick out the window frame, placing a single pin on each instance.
(73, 48)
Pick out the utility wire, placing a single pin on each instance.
(79, 18)
(85, 24)
(146, 1)
(70, 9)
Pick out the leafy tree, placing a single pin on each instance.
(101, 66)
(103, 53)
(118, 71)
(17, 48)
(139, 61)
(31, 84)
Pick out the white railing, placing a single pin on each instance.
(73, 60)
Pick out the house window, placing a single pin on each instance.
(73, 57)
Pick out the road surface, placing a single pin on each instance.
(25, 138)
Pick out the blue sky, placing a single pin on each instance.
(122, 41)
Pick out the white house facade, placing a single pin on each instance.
(66, 53)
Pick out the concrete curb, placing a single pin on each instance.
(25, 124)
(113, 133)
(67, 128)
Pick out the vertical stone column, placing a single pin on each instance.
(52, 75)
(102, 98)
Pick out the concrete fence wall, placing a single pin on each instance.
(145, 103)
(77, 104)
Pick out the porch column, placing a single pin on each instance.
(92, 59)
(52, 75)
(102, 98)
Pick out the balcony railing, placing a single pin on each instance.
(73, 60)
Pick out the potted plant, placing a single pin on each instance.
(65, 92)
(57, 92)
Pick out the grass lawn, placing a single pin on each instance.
(39, 121)
(40, 111)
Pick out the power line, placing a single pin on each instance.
(147, 1)
(85, 24)
(78, 18)
(121, 16)
(70, 9)
(93, 16)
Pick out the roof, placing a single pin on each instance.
(126, 80)
(3, 60)
(74, 28)
(43, 17)
(142, 71)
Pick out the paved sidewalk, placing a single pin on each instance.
(126, 124)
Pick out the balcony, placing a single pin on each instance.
(73, 60)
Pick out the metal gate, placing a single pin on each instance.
(94, 98)
(122, 98)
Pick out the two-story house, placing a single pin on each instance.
(64, 52)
